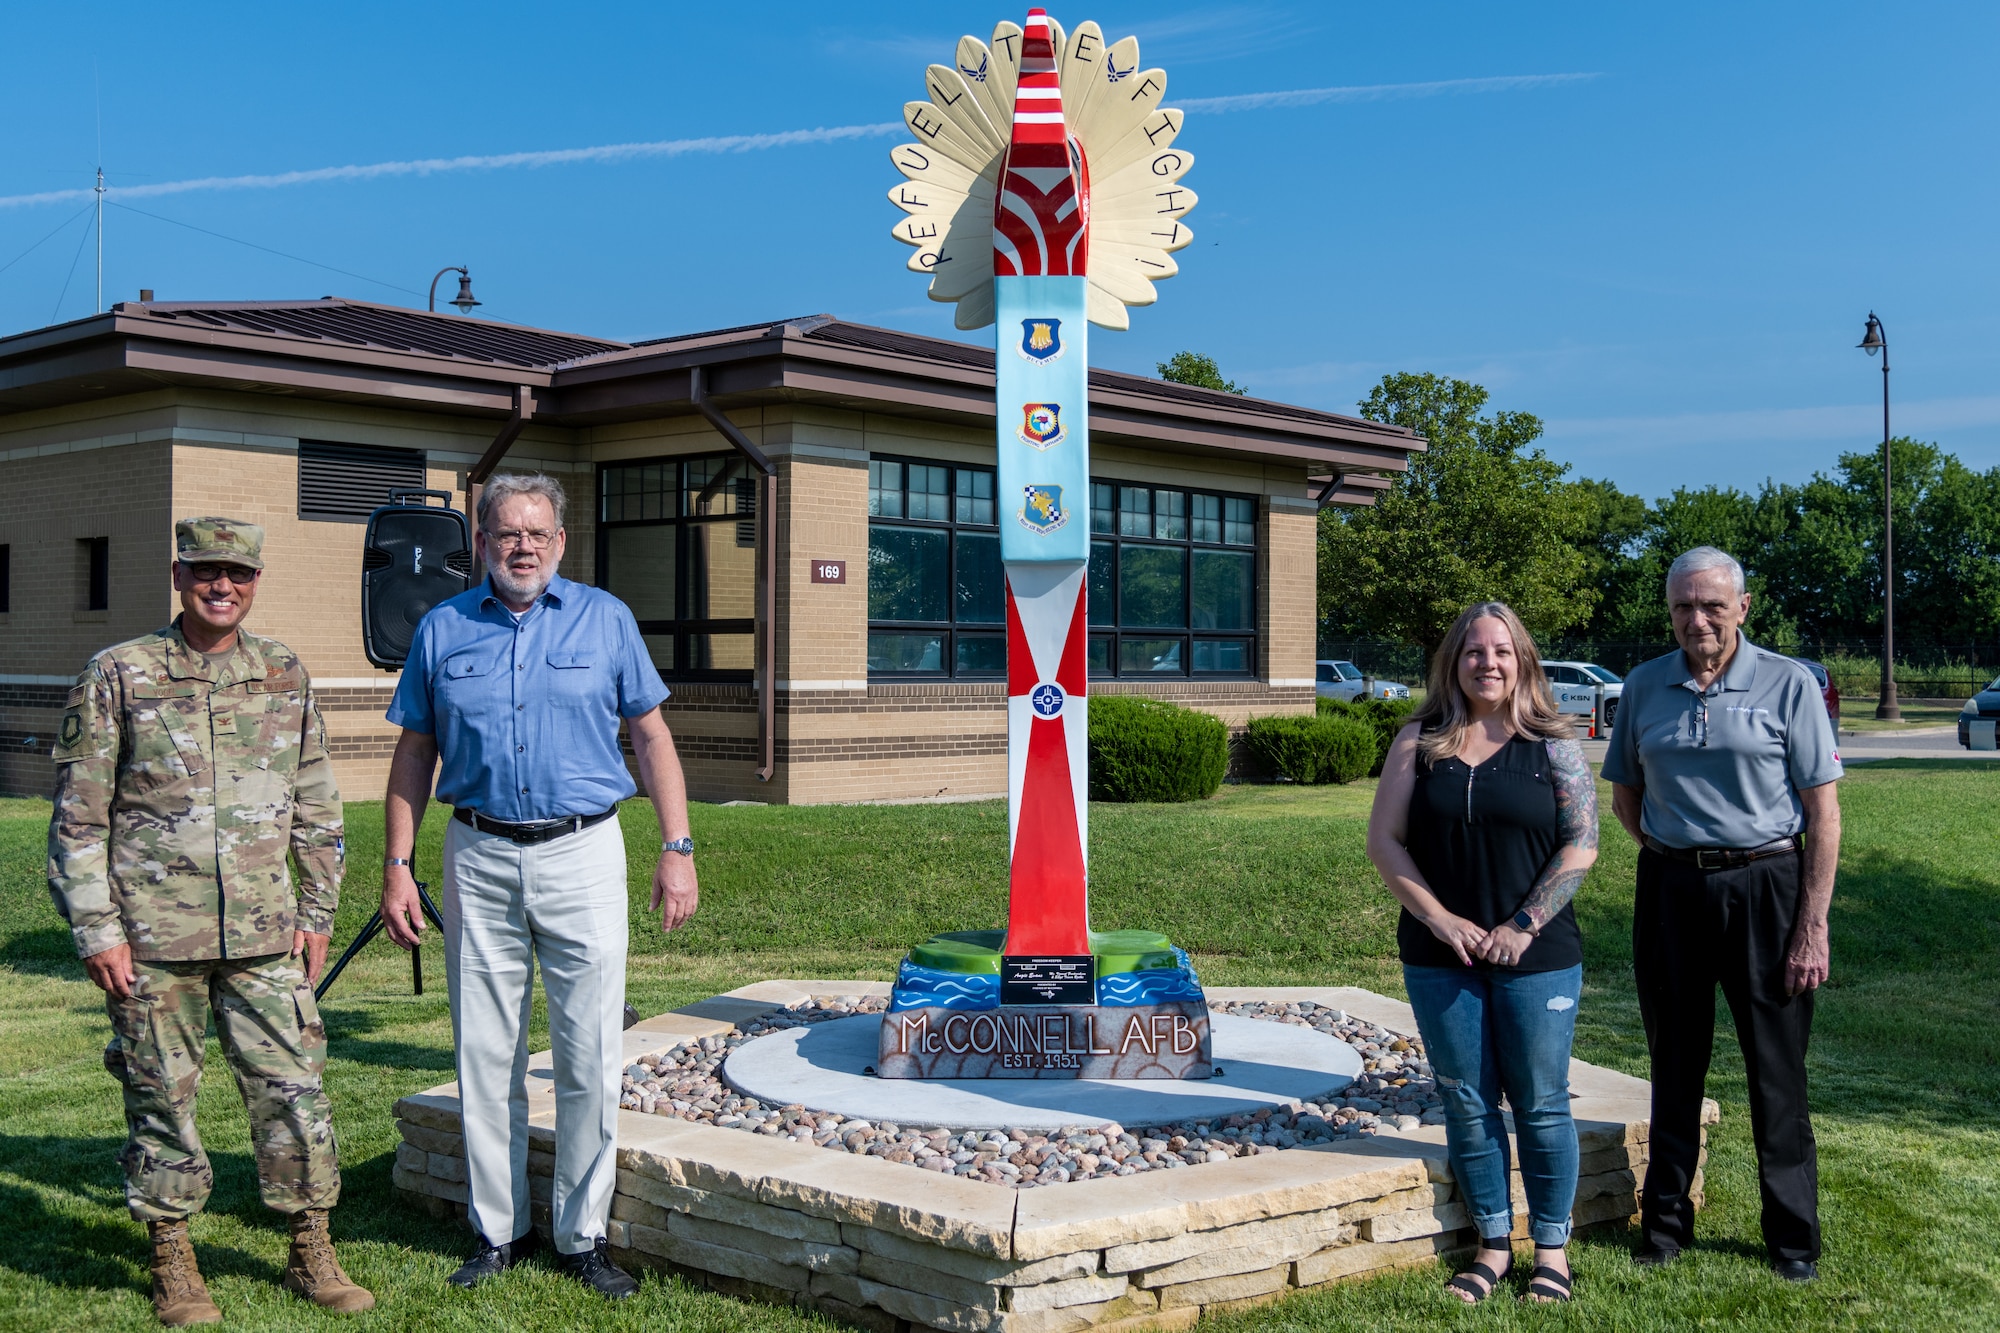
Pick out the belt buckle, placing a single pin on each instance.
(1701, 861)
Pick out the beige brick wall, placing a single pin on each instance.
(132, 464)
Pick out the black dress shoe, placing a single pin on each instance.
(1655, 1256)
(594, 1269)
(1796, 1270)
(493, 1260)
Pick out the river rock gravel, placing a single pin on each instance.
(1395, 1092)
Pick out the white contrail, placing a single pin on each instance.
(728, 143)
(1372, 92)
(750, 143)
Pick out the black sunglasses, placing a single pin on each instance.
(236, 574)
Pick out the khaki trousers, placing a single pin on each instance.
(506, 907)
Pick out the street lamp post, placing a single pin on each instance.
(465, 300)
(1873, 341)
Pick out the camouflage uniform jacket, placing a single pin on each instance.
(180, 786)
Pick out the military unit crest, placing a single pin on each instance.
(1041, 340)
(1041, 425)
(1043, 510)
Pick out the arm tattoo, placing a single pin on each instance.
(1576, 824)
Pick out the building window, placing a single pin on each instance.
(937, 604)
(677, 542)
(1173, 582)
(345, 483)
(93, 567)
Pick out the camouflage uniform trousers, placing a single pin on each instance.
(276, 1045)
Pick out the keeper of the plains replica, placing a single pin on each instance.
(1043, 195)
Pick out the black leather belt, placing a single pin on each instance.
(539, 830)
(1723, 858)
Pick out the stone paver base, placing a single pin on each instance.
(883, 1245)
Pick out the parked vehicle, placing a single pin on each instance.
(1983, 706)
(1344, 681)
(1828, 691)
(1575, 687)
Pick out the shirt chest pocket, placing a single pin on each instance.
(575, 679)
(167, 730)
(270, 718)
(466, 677)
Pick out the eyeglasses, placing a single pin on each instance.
(1701, 721)
(535, 539)
(236, 574)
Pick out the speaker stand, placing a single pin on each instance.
(374, 928)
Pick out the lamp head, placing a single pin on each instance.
(465, 300)
(1873, 341)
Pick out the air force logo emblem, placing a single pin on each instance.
(1041, 340)
(1041, 425)
(1043, 510)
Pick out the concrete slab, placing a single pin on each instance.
(1263, 1064)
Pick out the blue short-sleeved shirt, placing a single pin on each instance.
(1722, 767)
(526, 711)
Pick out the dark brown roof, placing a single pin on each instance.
(335, 320)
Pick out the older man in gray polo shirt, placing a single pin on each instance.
(1723, 767)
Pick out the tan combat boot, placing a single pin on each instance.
(180, 1297)
(314, 1273)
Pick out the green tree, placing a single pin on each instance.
(1198, 370)
(1481, 515)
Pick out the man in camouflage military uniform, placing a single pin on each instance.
(189, 762)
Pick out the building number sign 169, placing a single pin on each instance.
(829, 571)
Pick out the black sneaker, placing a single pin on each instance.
(493, 1260)
(594, 1269)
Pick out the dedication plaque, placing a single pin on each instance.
(1062, 979)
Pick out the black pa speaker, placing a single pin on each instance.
(415, 556)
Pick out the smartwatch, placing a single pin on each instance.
(1525, 923)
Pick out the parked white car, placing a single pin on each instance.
(1575, 683)
(1344, 681)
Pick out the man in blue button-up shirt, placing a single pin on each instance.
(518, 687)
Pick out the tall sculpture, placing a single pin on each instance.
(1043, 193)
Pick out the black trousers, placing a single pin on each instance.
(1693, 929)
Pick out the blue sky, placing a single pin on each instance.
(1669, 258)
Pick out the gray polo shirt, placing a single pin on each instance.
(1722, 767)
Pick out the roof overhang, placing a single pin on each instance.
(814, 361)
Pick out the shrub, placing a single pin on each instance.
(1145, 750)
(1312, 749)
(1384, 716)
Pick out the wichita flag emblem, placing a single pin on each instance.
(1041, 425)
(1041, 340)
(1043, 511)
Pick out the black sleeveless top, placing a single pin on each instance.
(1482, 836)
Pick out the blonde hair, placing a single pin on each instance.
(1447, 713)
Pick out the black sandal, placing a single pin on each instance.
(1548, 1287)
(1463, 1282)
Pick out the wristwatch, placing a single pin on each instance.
(1525, 923)
(388, 861)
(685, 846)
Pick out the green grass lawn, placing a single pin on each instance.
(1263, 884)
(1857, 713)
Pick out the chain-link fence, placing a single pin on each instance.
(1923, 670)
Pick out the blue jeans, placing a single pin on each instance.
(1493, 1032)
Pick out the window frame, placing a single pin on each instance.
(1112, 636)
(950, 628)
(682, 627)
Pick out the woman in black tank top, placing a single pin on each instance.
(1485, 823)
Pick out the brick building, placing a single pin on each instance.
(869, 451)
